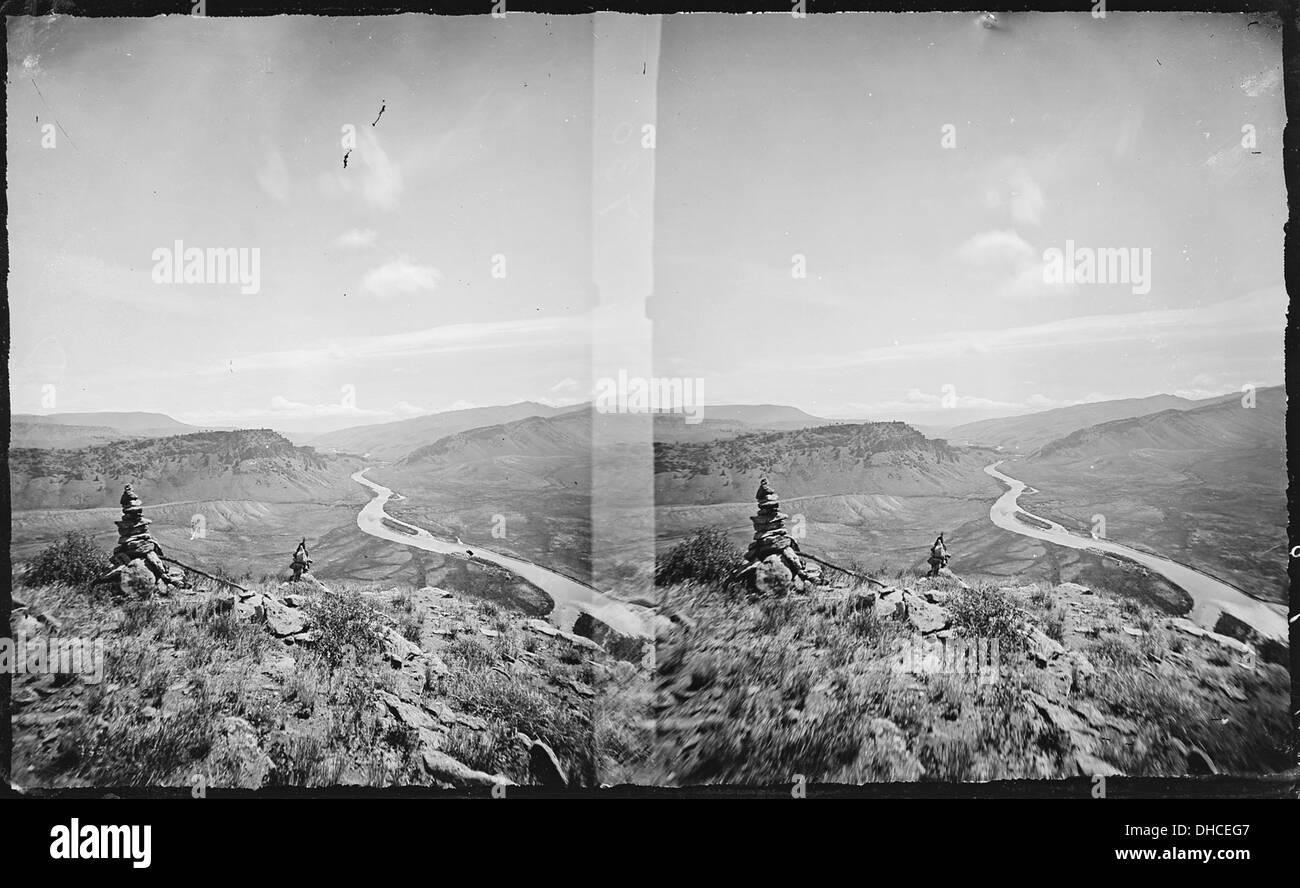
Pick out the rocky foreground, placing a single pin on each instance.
(299, 685)
(853, 685)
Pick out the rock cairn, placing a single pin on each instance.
(773, 563)
(139, 566)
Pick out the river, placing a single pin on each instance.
(571, 597)
(1210, 596)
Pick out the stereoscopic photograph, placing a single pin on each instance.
(501, 403)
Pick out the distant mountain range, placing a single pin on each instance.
(1222, 424)
(392, 440)
(75, 430)
(1025, 434)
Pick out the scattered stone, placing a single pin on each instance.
(541, 626)
(1183, 624)
(579, 641)
(922, 615)
(1042, 647)
(1091, 766)
(445, 769)
(282, 621)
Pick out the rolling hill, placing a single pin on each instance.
(1025, 434)
(393, 440)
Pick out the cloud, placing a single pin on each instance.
(400, 278)
(273, 177)
(996, 248)
(370, 174)
(1010, 266)
(534, 333)
(1013, 188)
(357, 237)
(567, 384)
(1261, 311)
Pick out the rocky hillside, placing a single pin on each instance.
(254, 464)
(299, 685)
(886, 458)
(897, 684)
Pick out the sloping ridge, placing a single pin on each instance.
(1226, 423)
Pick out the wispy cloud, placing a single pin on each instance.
(452, 338)
(1010, 266)
(357, 237)
(1260, 312)
(400, 277)
(370, 174)
(1013, 188)
(273, 177)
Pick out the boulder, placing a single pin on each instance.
(772, 577)
(283, 621)
(544, 766)
(1042, 647)
(445, 769)
(135, 579)
(922, 615)
(1091, 766)
(541, 626)
(1073, 589)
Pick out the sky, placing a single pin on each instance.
(776, 138)
(377, 296)
(824, 137)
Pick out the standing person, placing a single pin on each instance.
(938, 556)
(301, 560)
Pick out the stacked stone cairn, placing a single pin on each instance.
(139, 568)
(772, 561)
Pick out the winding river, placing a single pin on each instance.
(1210, 597)
(570, 596)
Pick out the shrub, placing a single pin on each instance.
(344, 623)
(585, 625)
(706, 556)
(986, 613)
(74, 560)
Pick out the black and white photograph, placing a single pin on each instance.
(513, 403)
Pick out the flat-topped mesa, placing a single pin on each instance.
(138, 557)
(773, 560)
